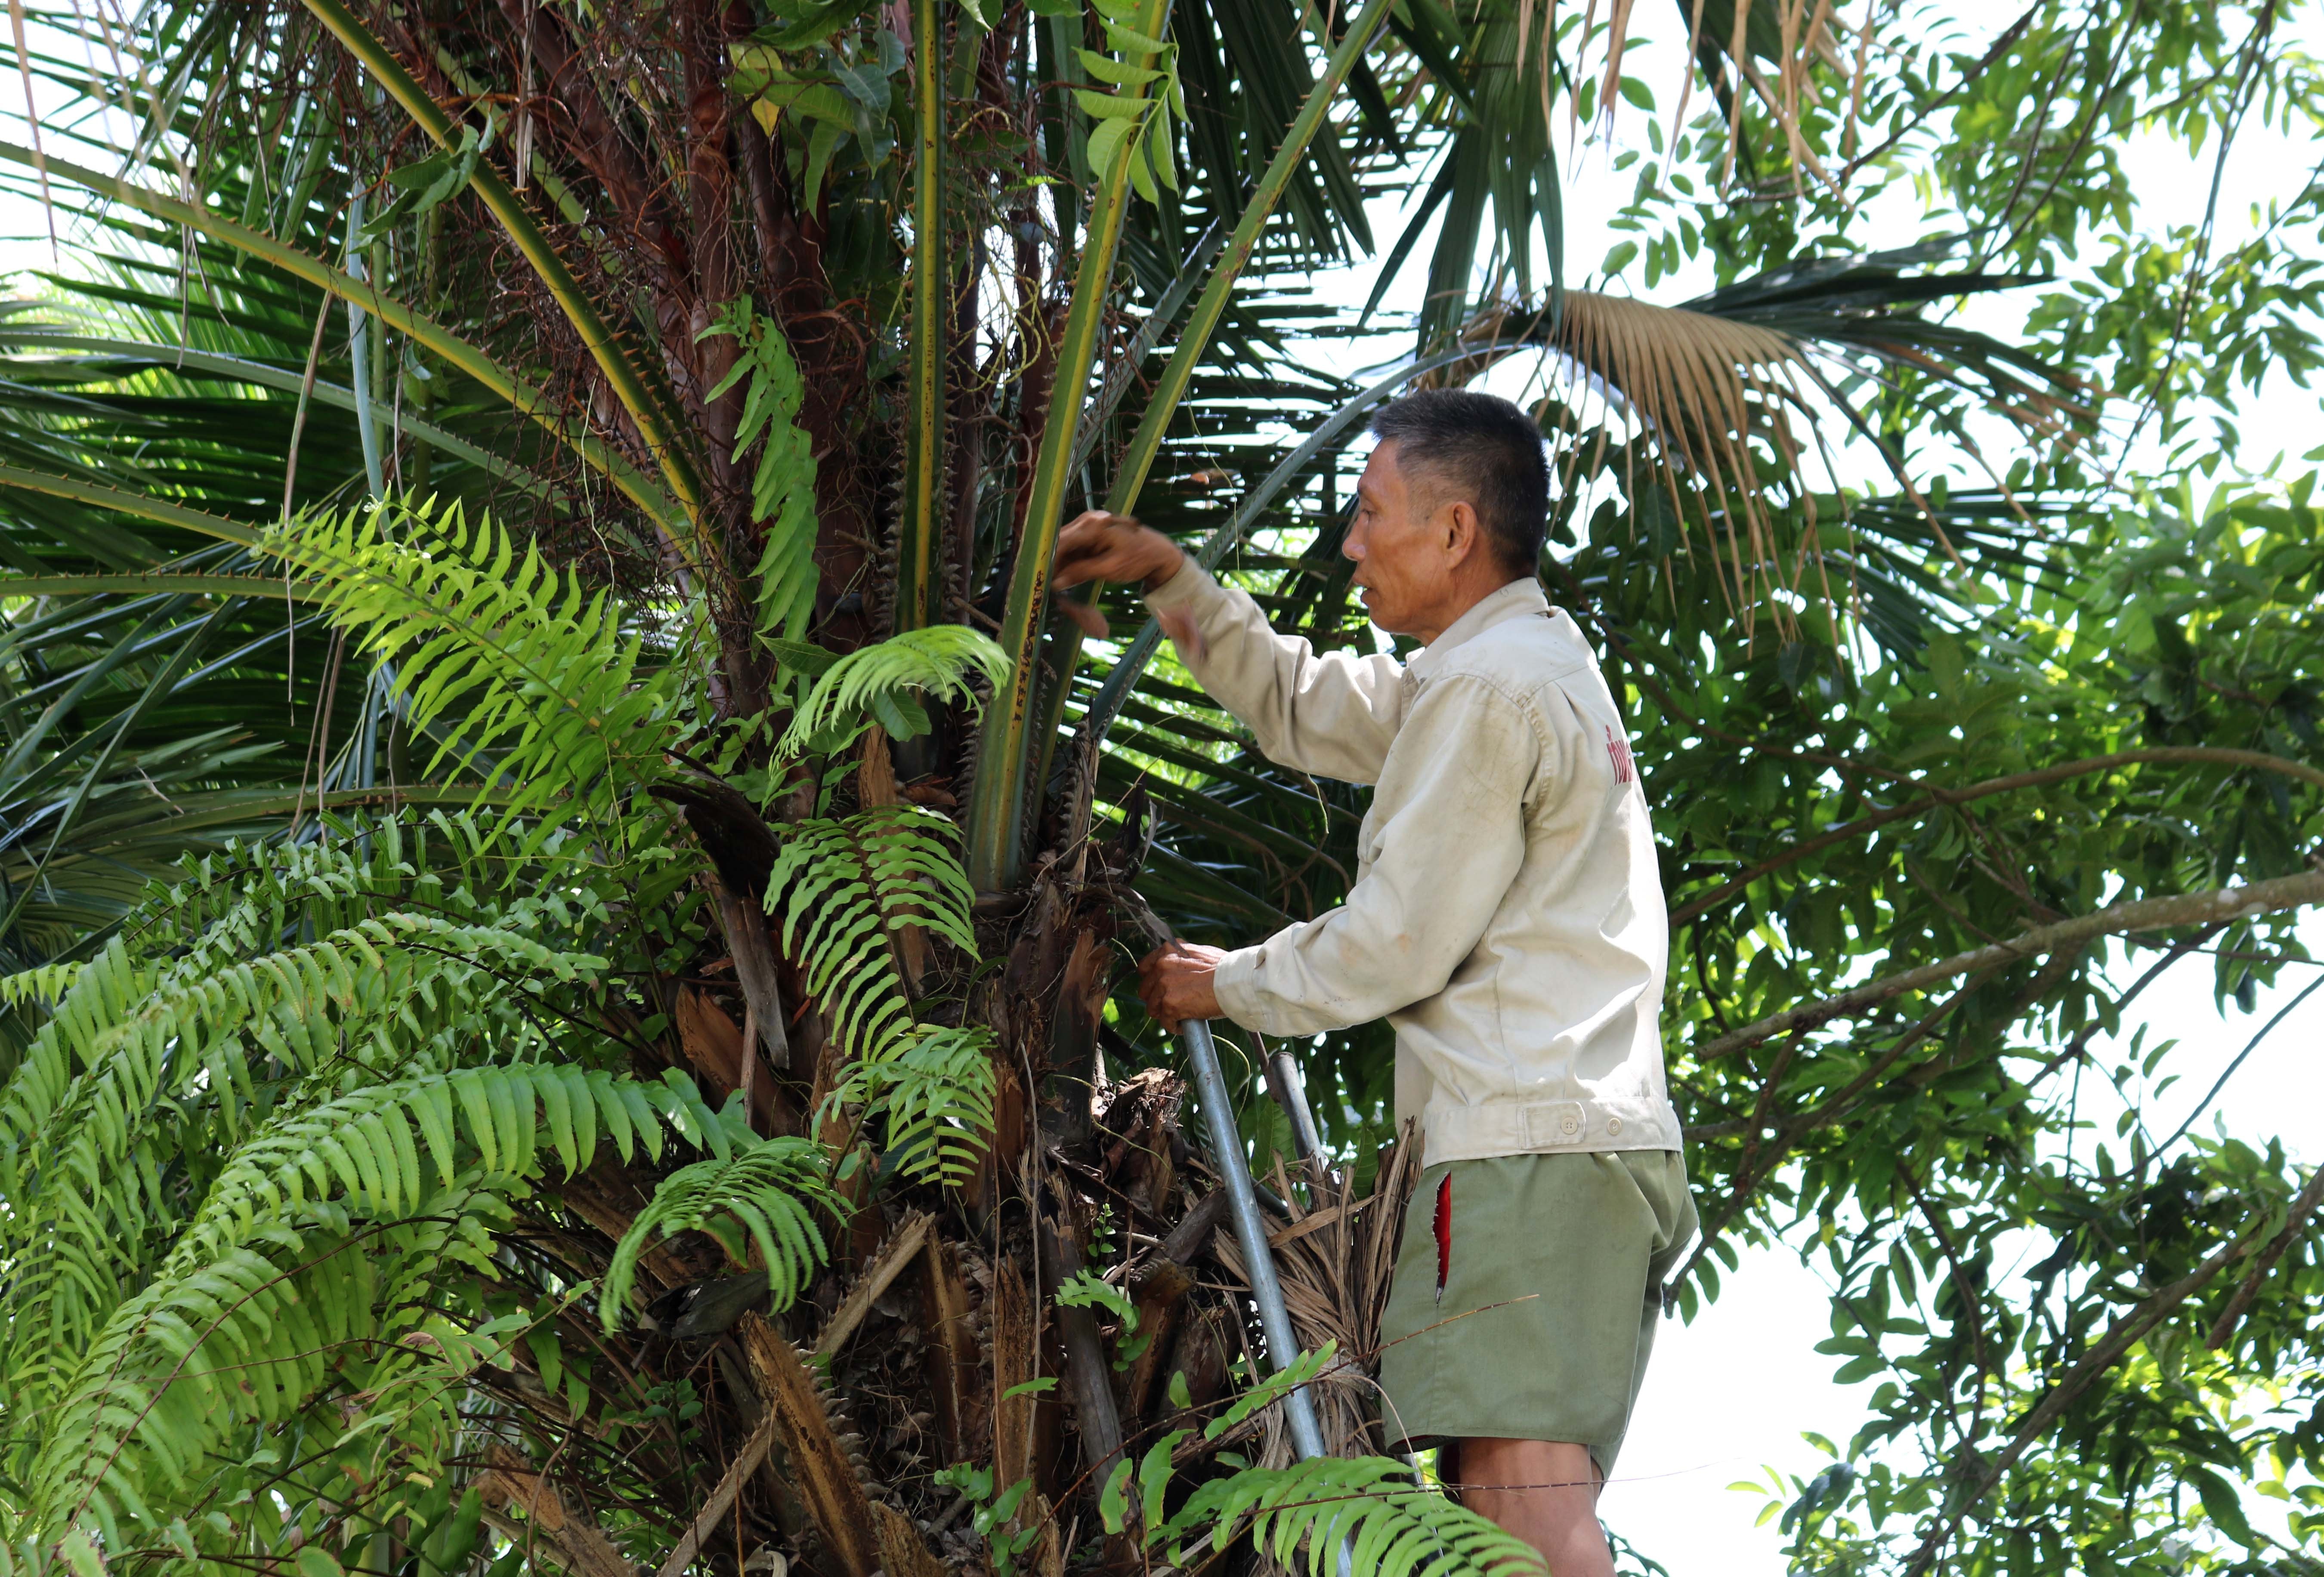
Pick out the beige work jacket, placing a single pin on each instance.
(1507, 917)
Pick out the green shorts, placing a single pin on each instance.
(1553, 1284)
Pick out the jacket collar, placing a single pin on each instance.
(1516, 600)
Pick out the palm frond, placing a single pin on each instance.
(1707, 415)
(1786, 38)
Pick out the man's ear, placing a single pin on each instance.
(1465, 533)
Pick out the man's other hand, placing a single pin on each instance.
(1173, 980)
(1099, 546)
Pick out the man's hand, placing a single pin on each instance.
(1173, 980)
(1099, 546)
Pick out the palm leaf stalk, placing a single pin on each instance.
(398, 315)
(995, 809)
(628, 385)
(998, 811)
(919, 575)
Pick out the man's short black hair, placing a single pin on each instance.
(1480, 449)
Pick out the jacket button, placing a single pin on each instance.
(1571, 1124)
(1613, 1125)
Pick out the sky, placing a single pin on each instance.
(1729, 1397)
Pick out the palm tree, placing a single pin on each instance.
(552, 504)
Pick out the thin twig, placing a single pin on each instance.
(2265, 1029)
(2295, 1223)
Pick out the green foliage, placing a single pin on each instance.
(544, 685)
(769, 1191)
(426, 182)
(43, 984)
(782, 483)
(995, 1519)
(821, 73)
(1366, 1515)
(1142, 119)
(845, 892)
(933, 1087)
(894, 681)
(840, 886)
(233, 1166)
(1305, 1515)
(224, 1141)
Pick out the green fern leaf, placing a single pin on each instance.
(840, 889)
(936, 1094)
(520, 673)
(771, 1189)
(940, 660)
(1362, 1517)
(782, 483)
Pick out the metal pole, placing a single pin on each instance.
(1250, 1229)
(1290, 1093)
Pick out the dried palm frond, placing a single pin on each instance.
(1789, 36)
(1709, 398)
(1335, 1262)
(1701, 389)
(1718, 400)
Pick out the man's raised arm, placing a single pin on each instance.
(1331, 714)
(1441, 866)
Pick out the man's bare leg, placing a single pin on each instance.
(1560, 1519)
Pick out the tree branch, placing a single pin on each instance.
(2295, 1225)
(1751, 1170)
(2093, 1363)
(2186, 755)
(2217, 907)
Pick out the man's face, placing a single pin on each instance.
(1404, 547)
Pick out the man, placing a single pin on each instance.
(1507, 918)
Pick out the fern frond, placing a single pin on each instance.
(908, 852)
(251, 1335)
(840, 888)
(131, 1072)
(770, 1190)
(883, 679)
(252, 897)
(365, 1147)
(782, 485)
(1388, 1526)
(935, 1095)
(546, 689)
(45, 983)
(283, 1278)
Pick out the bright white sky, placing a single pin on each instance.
(1729, 1397)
